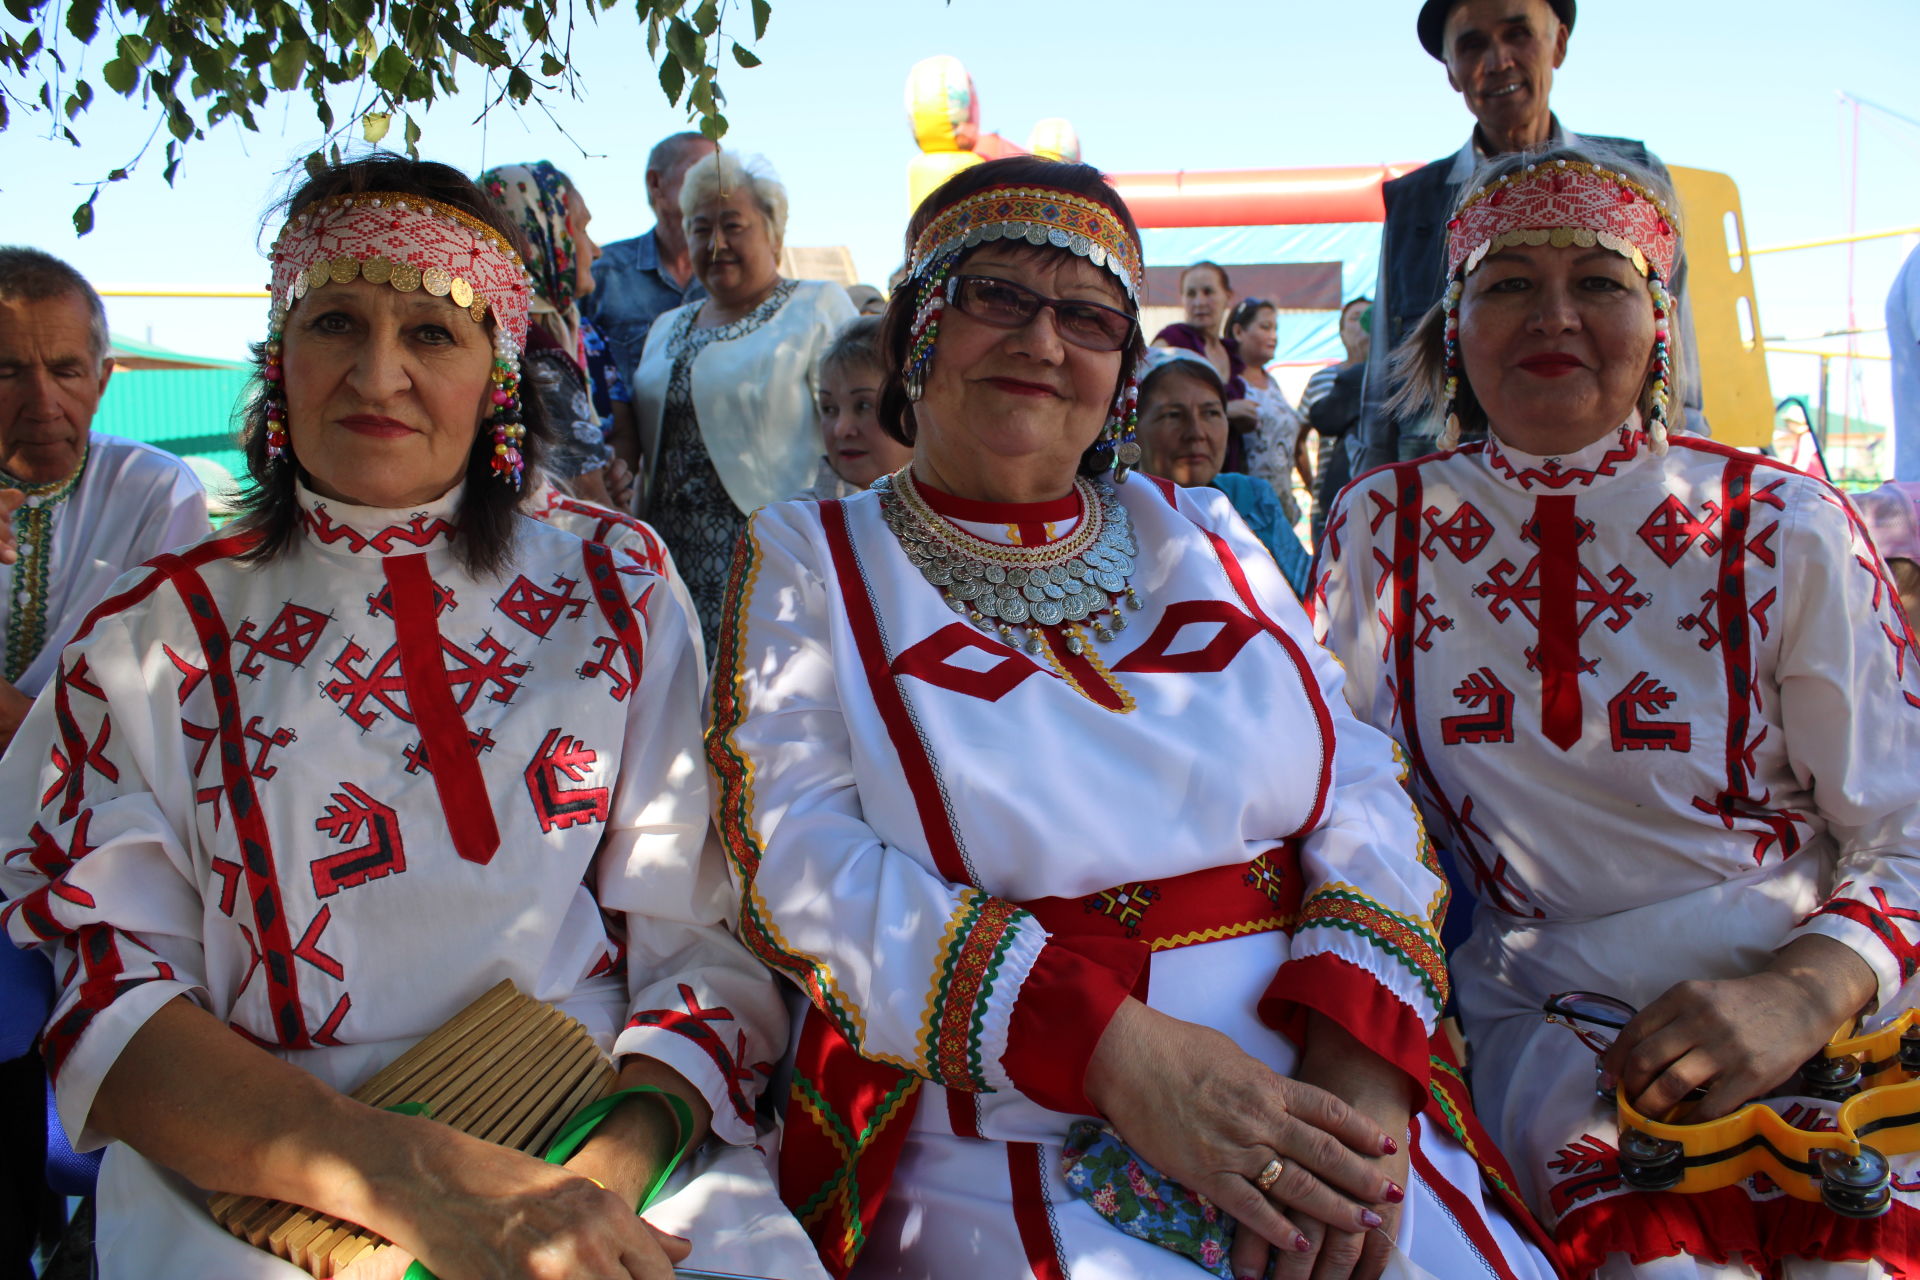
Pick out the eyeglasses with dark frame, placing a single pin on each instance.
(1006, 305)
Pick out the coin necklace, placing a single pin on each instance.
(1018, 591)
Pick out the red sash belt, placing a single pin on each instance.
(847, 1116)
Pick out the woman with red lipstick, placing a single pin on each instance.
(1658, 698)
(1034, 783)
(377, 746)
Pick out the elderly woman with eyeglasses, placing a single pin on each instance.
(1659, 699)
(724, 393)
(1034, 783)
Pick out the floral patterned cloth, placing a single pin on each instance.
(1143, 1202)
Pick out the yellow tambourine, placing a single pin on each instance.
(1871, 1076)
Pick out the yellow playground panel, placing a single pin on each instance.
(1737, 398)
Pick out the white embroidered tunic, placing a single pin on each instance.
(334, 798)
(1666, 711)
(897, 787)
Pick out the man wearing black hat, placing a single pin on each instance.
(1500, 57)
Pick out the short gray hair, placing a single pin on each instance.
(31, 275)
(723, 171)
(672, 149)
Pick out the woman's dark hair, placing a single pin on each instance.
(483, 535)
(1246, 311)
(896, 325)
(1206, 375)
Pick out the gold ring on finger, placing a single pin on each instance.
(1269, 1174)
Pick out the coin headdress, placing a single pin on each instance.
(1562, 203)
(408, 243)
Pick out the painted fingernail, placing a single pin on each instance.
(1388, 1146)
(1301, 1244)
(1369, 1219)
(1393, 1194)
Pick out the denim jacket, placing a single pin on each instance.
(630, 291)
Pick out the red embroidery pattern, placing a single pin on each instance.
(1465, 533)
(420, 530)
(931, 660)
(289, 638)
(1491, 717)
(698, 1024)
(1672, 529)
(1630, 717)
(1225, 629)
(562, 759)
(1555, 476)
(352, 814)
(539, 610)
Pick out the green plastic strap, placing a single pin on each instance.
(575, 1132)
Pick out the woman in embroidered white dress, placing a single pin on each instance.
(1033, 781)
(304, 790)
(1659, 699)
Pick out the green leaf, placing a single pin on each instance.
(412, 132)
(80, 100)
(686, 44)
(391, 67)
(672, 78)
(701, 99)
(180, 124)
(118, 175)
(373, 126)
(288, 61)
(762, 11)
(31, 45)
(83, 216)
(653, 36)
(741, 56)
(534, 19)
(135, 49)
(551, 66)
(519, 85)
(487, 50)
(23, 9)
(120, 76)
(706, 19)
(320, 109)
(714, 126)
(83, 20)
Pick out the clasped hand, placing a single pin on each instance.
(1211, 1117)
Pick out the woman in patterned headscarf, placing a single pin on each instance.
(567, 363)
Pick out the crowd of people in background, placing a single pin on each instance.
(1490, 561)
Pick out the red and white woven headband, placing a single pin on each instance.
(408, 242)
(1563, 202)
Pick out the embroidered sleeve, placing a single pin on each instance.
(1850, 706)
(1366, 952)
(697, 1000)
(95, 870)
(935, 977)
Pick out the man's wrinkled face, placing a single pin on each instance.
(51, 381)
(1500, 56)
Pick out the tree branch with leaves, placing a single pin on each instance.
(202, 63)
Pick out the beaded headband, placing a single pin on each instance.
(408, 242)
(1565, 202)
(1039, 216)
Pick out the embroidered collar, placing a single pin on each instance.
(1611, 455)
(33, 540)
(374, 532)
(1021, 524)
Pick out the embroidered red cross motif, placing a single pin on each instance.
(385, 683)
(621, 654)
(380, 603)
(72, 772)
(1615, 605)
(698, 1024)
(1465, 533)
(289, 638)
(1630, 717)
(481, 740)
(561, 759)
(1127, 904)
(995, 671)
(420, 530)
(1589, 1167)
(352, 813)
(1672, 528)
(52, 860)
(1879, 918)
(1491, 716)
(537, 609)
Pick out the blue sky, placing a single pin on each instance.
(1748, 89)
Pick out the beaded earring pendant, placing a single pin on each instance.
(926, 329)
(507, 427)
(1450, 342)
(275, 400)
(1657, 419)
(1122, 429)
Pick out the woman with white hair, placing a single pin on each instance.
(725, 388)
